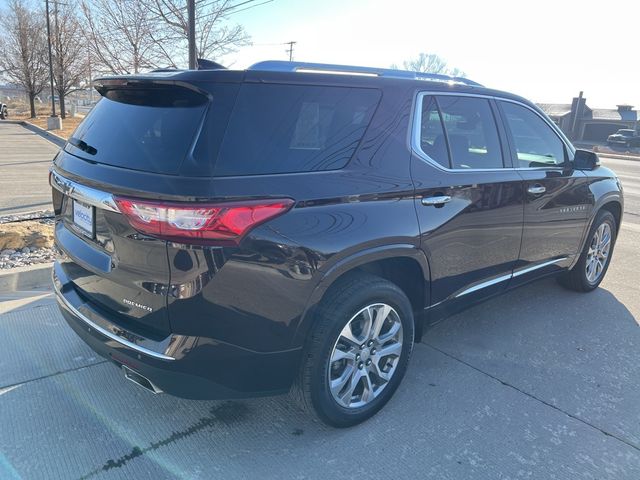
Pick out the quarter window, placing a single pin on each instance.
(460, 133)
(294, 128)
(536, 144)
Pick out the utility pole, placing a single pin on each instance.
(290, 50)
(90, 79)
(59, 59)
(191, 34)
(53, 101)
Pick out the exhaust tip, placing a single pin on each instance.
(140, 380)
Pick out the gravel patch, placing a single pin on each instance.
(20, 217)
(27, 256)
(34, 239)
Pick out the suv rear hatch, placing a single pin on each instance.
(233, 146)
(138, 127)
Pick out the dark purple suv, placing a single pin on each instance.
(299, 226)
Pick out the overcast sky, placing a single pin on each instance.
(546, 50)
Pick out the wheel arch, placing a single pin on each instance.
(611, 203)
(615, 208)
(404, 265)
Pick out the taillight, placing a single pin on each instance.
(204, 223)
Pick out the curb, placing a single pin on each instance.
(633, 158)
(31, 277)
(621, 156)
(52, 137)
(57, 140)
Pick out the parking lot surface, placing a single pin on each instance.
(25, 158)
(539, 383)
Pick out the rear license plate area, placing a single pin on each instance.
(84, 218)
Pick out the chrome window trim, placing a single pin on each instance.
(82, 193)
(416, 125)
(64, 303)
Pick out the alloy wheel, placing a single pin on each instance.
(598, 253)
(365, 356)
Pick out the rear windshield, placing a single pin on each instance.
(294, 128)
(148, 129)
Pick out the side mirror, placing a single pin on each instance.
(586, 160)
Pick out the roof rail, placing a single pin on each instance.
(305, 67)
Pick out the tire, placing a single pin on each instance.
(3, 113)
(578, 278)
(344, 311)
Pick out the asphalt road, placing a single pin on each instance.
(25, 158)
(629, 173)
(540, 383)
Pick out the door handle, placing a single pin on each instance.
(436, 201)
(536, 189)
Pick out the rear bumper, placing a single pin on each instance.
(184, 366)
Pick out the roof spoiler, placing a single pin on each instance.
(204, 64)
(304, 67)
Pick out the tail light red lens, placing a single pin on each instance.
(222, 223)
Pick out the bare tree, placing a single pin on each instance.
(431, 63)
(69, 54)
(215, 37)
(22, 49)
(125, 37)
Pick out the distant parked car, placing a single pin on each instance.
(625, 136)
(4, 113)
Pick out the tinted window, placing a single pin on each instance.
(432, 139)
(140, 129)
(471, 131)
(294, 128)
(536, 144)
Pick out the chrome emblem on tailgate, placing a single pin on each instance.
(137, 305)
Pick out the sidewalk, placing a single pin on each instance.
(25, 158)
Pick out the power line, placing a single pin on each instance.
(233, 7)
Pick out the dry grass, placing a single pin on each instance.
(18, 235)
(21, 112)
(69, 124)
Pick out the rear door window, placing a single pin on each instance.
(471, 132)
(460, 133)
(294, 128)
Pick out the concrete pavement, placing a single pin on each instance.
(540, 383)
(25, 158)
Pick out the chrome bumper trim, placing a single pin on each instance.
(64, 303)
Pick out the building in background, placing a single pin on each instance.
(583, 123)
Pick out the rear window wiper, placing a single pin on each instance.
(82, 145)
